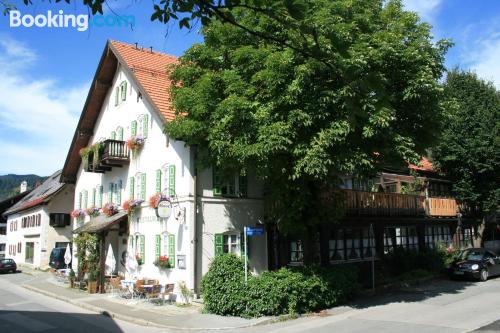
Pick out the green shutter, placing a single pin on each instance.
(113, 135)
(158, 180)
(216, 182)
(119, 192)
(171, 249)
(142, 248)
(124, 90)
(117, 95)
(79, 200)
(101, 195)
(110, 193)
(143, 186)
(85, 199)
(93, 196)
(119, 133)
(171, 180)
(131, 186)
(219, 244)
(133, 128)
(145, 127)
(158, 247)
(242, 183)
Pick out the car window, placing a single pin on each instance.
(474, 255)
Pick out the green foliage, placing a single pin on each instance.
(286, 291)
(469, 148)
(354, 88)
(88, 255)
(9, 184)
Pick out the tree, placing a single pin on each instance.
(468, 151)
(365, 94)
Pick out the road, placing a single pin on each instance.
(22, 310)
(444, 306)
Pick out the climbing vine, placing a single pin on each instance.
(87, 253)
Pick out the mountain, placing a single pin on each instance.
(9, 184)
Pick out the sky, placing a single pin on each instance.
(45, 73)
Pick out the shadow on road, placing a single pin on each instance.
(43, 321)
(412, 294)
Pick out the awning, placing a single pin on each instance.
(101, 223)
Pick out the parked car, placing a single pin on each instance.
(56, 260)
(475, 263)
(8, 265)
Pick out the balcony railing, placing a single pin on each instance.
(383, 204)
(115, 153)
(441, 207)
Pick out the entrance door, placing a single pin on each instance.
(30, 250)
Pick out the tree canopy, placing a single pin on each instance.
(468, 151)
(357, 90)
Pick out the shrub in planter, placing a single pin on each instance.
(163, 262)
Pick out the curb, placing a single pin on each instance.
(140, 321)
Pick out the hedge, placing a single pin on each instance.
(286, 291)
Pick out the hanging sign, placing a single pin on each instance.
(255, 231)
(164, 209)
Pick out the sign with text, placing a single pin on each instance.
(164, 209)
(255, 231)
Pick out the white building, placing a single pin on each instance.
(129, 98)
(4, 205)
(39, 222)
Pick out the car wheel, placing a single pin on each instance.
(483, 275)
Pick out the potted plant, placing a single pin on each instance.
(77, 213)
(131, 205)
(156, 198)
(96, 148)
(110, 209)
(163, 262)
(84, 154)
(92, 211)
(72, 277)
(92, 283)
(135, 143)
(139, 260)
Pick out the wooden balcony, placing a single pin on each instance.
(114, 153)
(441, 207)
(383, 204)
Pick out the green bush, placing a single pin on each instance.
(286, 291)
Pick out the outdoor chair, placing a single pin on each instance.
(116, 287)
(168, 292)
(139, 289)
(154, 293)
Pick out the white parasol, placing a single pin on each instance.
(110, 261)
(131, 262)
(67, 255)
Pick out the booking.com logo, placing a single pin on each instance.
(61, 20)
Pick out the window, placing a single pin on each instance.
(19, 247)
(167, 184)
(2, 247)
(466, 236)
(137, 244)
(351, 244)
(362, 184)
(119, 133)
(402, 237)
(229, 186)
(142, 126)
(437, 234)
(123, 90)
(140, 186)
(228, 243)
(165, 246)
(59, 220)
(296, 251)
(3, 230)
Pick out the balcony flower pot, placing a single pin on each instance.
(77, 213)
(163, 262)
(155, 199)
(92, 211)
(131, 205)
(135, 143)
(139, 260)
(110, 209)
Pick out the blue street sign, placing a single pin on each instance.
(255, 231)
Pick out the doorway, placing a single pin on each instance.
(29, 253)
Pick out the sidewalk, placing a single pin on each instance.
(138, 312)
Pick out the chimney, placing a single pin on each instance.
(23, 187)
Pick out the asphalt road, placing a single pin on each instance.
(444, 306)
(22, 310)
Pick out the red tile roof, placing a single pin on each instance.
(150, 70)
(425, 165)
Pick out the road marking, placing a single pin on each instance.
(26, 322)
